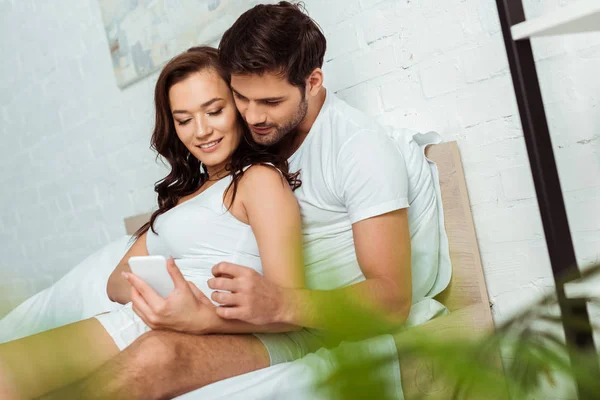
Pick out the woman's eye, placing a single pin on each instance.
(215, 112)
(183, 122)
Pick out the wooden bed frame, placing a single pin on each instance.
(466, 296)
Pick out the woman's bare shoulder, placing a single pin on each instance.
(263, 176)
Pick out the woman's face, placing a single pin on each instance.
(205, 118)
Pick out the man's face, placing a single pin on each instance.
(269, 104)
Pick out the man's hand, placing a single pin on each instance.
(253, 298)
(186, 309)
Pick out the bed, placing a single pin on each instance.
(466, 297)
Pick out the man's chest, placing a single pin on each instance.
(321, 204)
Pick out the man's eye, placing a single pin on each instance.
(183, 122)
(272, 103)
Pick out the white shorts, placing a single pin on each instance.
(123, 325)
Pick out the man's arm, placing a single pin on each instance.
(379, 304)
(382, 302)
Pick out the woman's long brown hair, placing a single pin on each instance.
(185, 176)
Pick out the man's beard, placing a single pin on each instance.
(281, 131)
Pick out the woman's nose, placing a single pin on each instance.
(203, 128)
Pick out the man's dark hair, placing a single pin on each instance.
(278, 38)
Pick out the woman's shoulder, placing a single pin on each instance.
(260, 185)
(259, 176)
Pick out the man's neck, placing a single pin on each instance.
(296, 138)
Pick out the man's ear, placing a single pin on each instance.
(314, 82)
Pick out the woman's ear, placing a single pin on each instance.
(314, 82)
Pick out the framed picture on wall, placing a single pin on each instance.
(144, 34)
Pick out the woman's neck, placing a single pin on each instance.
(217, 172)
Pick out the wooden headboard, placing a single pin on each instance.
(466, 296)
(132, 224)
(467, 286)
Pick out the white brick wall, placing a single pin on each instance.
(74, 148)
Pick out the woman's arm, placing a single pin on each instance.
(118, 289)
(274, 215)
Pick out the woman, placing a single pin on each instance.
(7, 392)
(225, 199)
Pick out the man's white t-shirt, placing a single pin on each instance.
(352, 169)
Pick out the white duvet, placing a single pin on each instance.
(78, 295)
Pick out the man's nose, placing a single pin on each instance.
(254, 115)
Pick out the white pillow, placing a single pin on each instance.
(78, 295)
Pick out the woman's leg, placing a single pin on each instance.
(7, 391)
(40, 363)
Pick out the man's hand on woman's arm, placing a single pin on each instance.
(379, 304)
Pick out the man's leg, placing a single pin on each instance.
(164, 364)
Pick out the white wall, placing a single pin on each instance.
(74, 148)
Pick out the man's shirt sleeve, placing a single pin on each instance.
(371, 176)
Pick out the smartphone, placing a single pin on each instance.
(153, 270)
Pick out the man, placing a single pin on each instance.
(353, 199)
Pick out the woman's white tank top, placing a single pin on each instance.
(200, 233)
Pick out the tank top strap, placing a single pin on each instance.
(266, 163)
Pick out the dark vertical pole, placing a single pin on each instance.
(545, 176)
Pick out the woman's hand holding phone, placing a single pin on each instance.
(184, 308)
(153, 270)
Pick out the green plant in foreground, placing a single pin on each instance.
(531, 344)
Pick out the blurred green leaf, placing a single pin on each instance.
(532, 345)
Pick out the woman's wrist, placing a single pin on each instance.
(206, 322)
